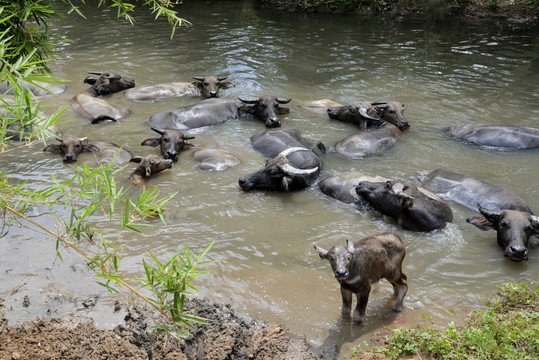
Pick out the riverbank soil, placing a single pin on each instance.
(226, 337)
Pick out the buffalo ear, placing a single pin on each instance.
(90, 147)
(136, 159)
(89, 80)
(186, 146)
(350, 246)
(197, 84)
(283, 110)
(481, 222)
(53, 148)
(153, 142)
(226, 85)
(321, 252)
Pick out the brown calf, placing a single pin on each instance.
(360, 264)
(149, 165)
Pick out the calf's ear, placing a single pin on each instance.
(226, 85)
(52, 148)
(283, 110)
(350, 246)
(136, 159)
(321, 252)
(153, 142)
(481, 222)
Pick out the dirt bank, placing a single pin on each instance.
(226, 337)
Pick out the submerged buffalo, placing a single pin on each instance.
(148, 165)
(343, 186)
(71, 147)
(501, 137)
(207, 87)
(385, 122)
(292, 164)
(214, 159)
(513, 229)
(214, 111)
(414, 208)
(37, 88)
(469, 191)
(171, 143)
(88, 106)
(358, 265)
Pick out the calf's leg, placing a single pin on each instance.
(346, 302)
(400, 287)
(362, 300)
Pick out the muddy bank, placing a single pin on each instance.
(227, 337)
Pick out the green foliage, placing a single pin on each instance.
(509, 329)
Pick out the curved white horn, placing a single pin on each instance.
(291, 150)
(291, 170)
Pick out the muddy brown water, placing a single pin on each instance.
(265, 264)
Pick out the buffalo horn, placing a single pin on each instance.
(534, 220)
(292, 170)
(284, 101)
(381, 106)
(374, 103)
(60, 140)
(160, 132)
(489, 214)
(398, 190)
(95, 73)
(363, 113)
(222, 78)
(250, 101)
(199, 78)
(291, 150)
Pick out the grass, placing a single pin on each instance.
(508, 329)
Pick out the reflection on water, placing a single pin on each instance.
(265, 265)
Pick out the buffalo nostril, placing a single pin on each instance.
(241, 181)
(70, 157)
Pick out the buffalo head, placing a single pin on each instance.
(171, 143)
(392, 112)
(108, 83)
(362, 114)
(209, 85)
(513, 228)
(339, 257)
(266, 108)
(278, 174)
(70, 147)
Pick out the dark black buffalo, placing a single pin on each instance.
(214, 111)
(385, 124)
(70, 147)
(513, 229)
(469, 191)
(499, 137)
(207, 87)
(413, 207)
(292, 165)
(87, 105)
(171, 143)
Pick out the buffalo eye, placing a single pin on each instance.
(166, 140)
(503, 225)
(77, 145)
(349, 257)
(352, 110)
(331, 257)
(273, 171)
(206, 84)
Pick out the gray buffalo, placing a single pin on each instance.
(88, 106)
(413, 207)
(343, 186)
(513, 229)
(500, 137)
(292, 165)
(216, 110)
(469, 191)
(207, 87)
(71, 147)
(37, 88)
(148, 165)
(171, 143)
(385, 122)
(214, 159)
(358, 265)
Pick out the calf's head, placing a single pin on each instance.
(392, 112)
(339, 257)
(266, 108)
(277, 175)
(150, 164)
(108, 83)
(171, 143)
(70, 147)
(209, 86)
(363, 114)
(513, 229)
(387, 197)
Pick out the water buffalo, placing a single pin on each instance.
(343, 186)
(70, 147)
(293, 165)
(214, 159)
(378, 139)
(413, 207)
(365, 114)
(148, 165)
(500, 137)
(319, 106)
(513, 228)
(358, 265)
(37, 88)
(216, 110)
(87, 105)
(171, 143)
(207, 87)
(468, 191)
